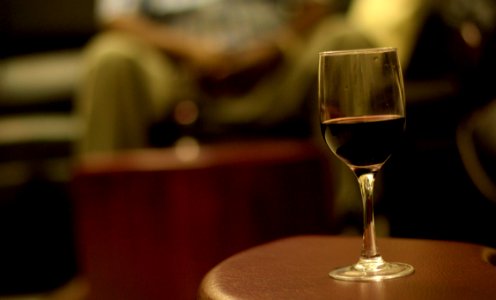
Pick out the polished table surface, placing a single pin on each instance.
(297, 268)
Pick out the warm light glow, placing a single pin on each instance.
(186, 112)
(471, 34)
(390, 23)
(187, 148)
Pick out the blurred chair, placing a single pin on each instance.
(39, 69)
(476, 140)
(39, 57)
(151, 223)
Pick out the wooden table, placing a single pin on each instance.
(297, 268)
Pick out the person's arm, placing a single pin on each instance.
(201, 53)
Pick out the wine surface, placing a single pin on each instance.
(364, 140)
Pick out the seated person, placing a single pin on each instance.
(228, 67)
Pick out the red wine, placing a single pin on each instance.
(364, 140)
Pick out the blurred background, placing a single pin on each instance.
(56, 209)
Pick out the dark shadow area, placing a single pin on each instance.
(428, 192)
(37, 252)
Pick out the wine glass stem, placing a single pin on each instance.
(366, 183)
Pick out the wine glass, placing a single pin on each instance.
(362, 114)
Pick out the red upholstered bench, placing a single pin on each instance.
(151, 223)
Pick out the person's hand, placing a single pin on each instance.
(255, 57)
(206, 58)
(235, 72)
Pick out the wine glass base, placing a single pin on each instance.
(372, 269)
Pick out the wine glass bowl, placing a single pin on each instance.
(347, 137)
(362, 116)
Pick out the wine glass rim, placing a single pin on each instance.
(358, 51)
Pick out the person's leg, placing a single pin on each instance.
(126, 85)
